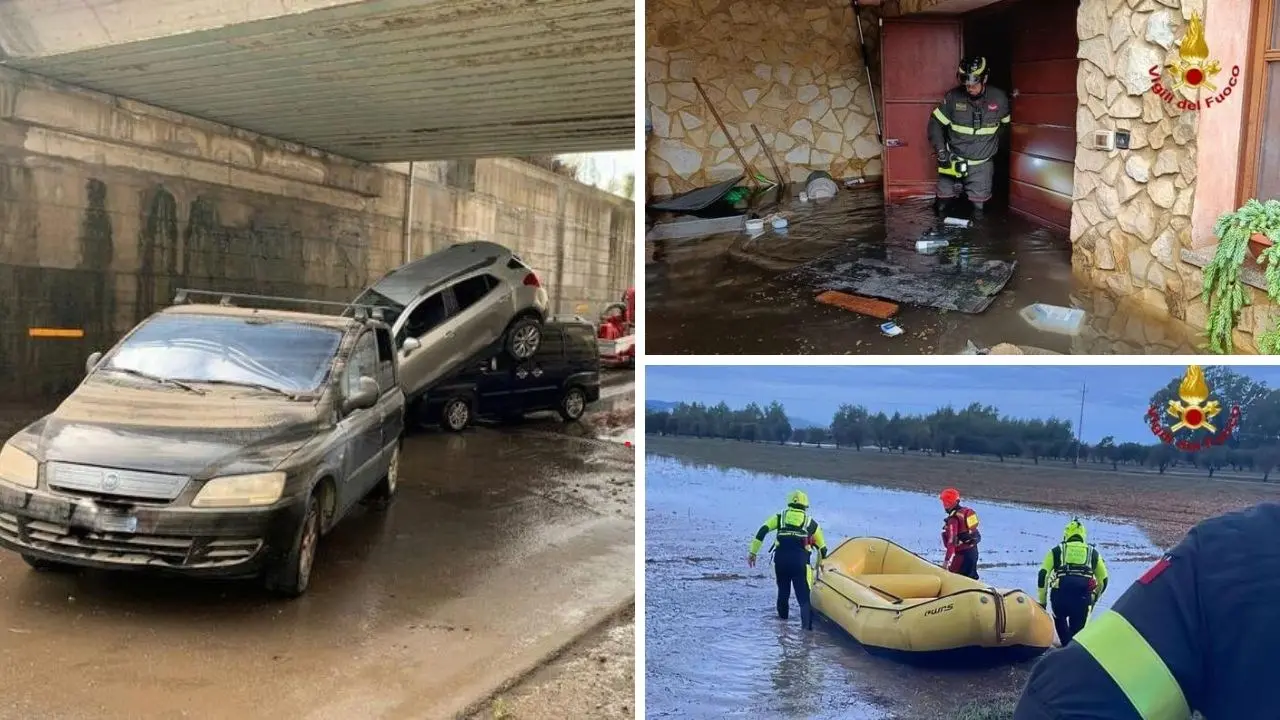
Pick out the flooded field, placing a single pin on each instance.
(733, 294)
(714, 646)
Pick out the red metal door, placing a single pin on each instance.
(918, 60)
(1043, 141)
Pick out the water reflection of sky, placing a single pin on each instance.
(714, 647)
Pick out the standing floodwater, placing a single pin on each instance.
(714, 646)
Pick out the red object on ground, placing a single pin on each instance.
(859, 304)
(616, 334)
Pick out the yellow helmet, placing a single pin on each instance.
(1075, 528)
(798, 498)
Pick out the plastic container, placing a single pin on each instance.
(957, 222)
(1053, 318)
(929, 246)
(755, 225)
(820, 186)
(891, 329)
(779, 223)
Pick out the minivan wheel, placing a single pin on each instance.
(573, 404)
(42, 565)
(290, 576)
(456, 415)
(386, 490)
(524, 338)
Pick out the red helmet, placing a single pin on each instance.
(950, 498)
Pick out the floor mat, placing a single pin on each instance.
(696, 200)
(937, 281)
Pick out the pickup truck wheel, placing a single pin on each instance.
(42, 565)
(290, 576)
(456, 415)
(573, 404)
(524, 338)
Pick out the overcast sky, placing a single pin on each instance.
(1114, 403)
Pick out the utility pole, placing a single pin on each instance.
(1080, 427)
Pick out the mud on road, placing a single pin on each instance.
(1164, 506)
(504, 545)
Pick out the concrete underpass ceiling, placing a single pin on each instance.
(375, 80)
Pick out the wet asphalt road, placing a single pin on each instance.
(731, 294)
(502, 545)
(715, 648)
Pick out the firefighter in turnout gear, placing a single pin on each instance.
(1074, 576)
(796, 533)
(965, 131)
(1198, 631)
(960, 535)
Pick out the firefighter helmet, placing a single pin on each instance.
(973, 69)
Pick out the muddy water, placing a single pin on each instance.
(714, 646)
(728, 294)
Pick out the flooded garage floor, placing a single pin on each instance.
(731, 294)
(715, 647)
(503, 545)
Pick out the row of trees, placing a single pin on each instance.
(981, 430)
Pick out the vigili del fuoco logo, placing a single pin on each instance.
(1193, 70)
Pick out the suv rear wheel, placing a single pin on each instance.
(456, 414)
(524, 337)
(573, 404)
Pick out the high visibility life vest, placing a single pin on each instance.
(1074, 557)
(794, 524)
(1135, 667)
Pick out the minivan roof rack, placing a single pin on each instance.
(360, 312)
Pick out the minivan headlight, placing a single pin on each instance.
(241, 491)
(17, 467)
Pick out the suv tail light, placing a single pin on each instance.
(532, 280)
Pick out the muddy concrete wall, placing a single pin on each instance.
(107, 206)
(791, 68)
(580, 239)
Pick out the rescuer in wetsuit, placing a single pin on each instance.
(964, 131)
(960, 535)
(1198, 631)
(796, 532)
(1074, 576)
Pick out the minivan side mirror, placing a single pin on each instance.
(92, 362)
(364, 397)
(410, 345)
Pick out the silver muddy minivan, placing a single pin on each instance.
(452, 304)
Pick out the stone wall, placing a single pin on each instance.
(107, 206)
(1132, 210)
(791, 68)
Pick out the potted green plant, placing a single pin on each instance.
(1253, 229)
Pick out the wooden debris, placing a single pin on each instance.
(859, 304)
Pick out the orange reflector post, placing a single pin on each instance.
(859, 304)
(55, 332)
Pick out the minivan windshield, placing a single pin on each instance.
(286, 356)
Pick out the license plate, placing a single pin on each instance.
(115, 522)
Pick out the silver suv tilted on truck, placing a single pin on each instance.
(455, 304)
(212, 440)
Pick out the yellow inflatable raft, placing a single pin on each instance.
(896, 603)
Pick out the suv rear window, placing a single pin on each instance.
(581, 335)
(470, 291)
(552, 342)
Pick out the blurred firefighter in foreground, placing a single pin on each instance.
(960, 535)
(1074, 576)
(1198, 631)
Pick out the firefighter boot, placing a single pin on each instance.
(806, 617)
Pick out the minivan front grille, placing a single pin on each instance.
(111, 482)
(127, 548)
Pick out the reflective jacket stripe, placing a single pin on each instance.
(1135, 667)
(975, 131)
(941, 116)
